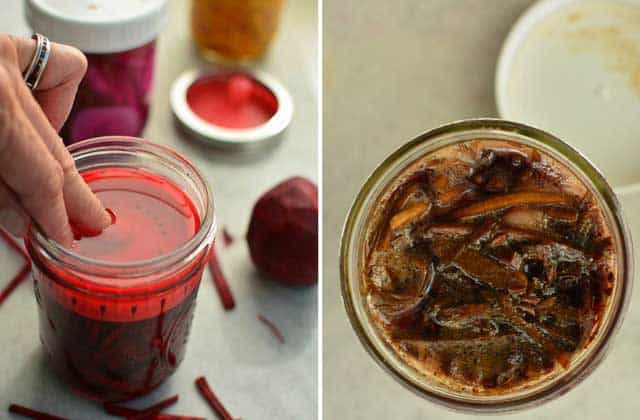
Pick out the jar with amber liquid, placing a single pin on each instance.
(234, 30)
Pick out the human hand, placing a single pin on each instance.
(38, 178)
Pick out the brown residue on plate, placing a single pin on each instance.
(610, 29)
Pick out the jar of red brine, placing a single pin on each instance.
(119, 39)
(116, 308)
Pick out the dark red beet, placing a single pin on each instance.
(283, 232)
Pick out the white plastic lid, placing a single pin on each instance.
(572, 67)
(98, 26)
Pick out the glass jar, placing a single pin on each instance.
(119, 39)
(116, 330)
(113, 97)
(234, 30)
(353, 251)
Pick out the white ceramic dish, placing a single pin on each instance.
(572, 67)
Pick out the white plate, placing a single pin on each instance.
(572, 67)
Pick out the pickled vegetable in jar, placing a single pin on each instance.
(118, 37)
(234, 30)
(116, 307)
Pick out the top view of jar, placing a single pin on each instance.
(486, 265)
(119, 41)
(232, 30)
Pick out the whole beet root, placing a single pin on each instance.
(283, 232)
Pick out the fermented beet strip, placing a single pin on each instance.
(37, 415)
(207, 393)
(272, 327)
(224, 291)
(19, 278)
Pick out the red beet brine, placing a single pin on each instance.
(152, 216)
(115, 338)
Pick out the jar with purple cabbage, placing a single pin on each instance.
(119, 39)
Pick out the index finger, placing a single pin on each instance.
(83, 207)
(29, 169)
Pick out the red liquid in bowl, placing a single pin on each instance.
(108, 340)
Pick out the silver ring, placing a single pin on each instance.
(39, 61)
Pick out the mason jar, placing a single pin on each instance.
(118, 37)
(114, 329)
(353, 251)
(234, 30)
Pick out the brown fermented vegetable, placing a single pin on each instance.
(489, 266)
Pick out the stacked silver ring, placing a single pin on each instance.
(34, 72)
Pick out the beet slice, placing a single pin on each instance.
(36, 415)
(222, 285)
(532, 198)
(22, 274)
(273, 328)
(214, 402)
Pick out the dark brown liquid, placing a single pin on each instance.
(488, 265)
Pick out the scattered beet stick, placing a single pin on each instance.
(36, 415)
(207, 393)
(13, 244)
(273, 327)
(227, 238)
(224, 291)
(19, 278)
(154, 409)
(122, 411)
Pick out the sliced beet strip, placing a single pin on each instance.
(273, 328)
(33, 414)
(122, 411)
(22, 274)
(224, 291)
(207, 393)
(146, 412)
(227, 237)
(19, 278)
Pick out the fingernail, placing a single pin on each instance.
(13, 221)
(111, 217)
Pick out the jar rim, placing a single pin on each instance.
(418, 382)
(144, 267)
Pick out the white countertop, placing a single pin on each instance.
(251, 372)
(393, 70)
